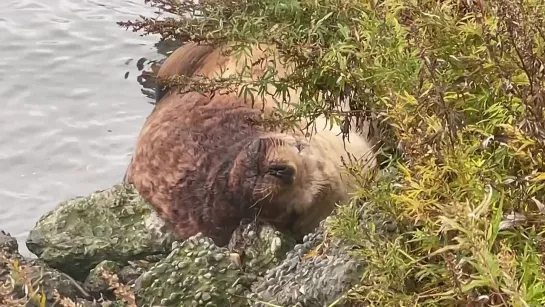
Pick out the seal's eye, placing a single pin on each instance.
(283, 172)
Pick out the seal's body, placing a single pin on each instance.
(205, 162)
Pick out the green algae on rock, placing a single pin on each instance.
(309, 278)
(130, 273)
(261, 246)
(199, 273)
(115, 224)
(98, 286)
(95, 283)
(195, 273)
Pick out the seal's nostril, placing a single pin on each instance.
(285, 173)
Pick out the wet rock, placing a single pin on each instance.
(315, 273)
(114, 224)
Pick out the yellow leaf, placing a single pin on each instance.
(540, 177)
(43, 300)
(521, 79)
(311, 254)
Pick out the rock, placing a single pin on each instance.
(195, 273)
(114, 224)
(98, 286)
(315, 273)
(23, 279)
(8, 244)
(260, 246)
(95, 283)
(130, 273)
(117, 230)
(199, 273)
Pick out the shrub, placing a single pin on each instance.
(458, 89)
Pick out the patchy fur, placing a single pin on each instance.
(207, 162)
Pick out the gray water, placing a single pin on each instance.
(69, 118)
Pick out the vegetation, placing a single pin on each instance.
(458, 88)
(22, 288)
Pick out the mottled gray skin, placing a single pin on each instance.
(114, 224)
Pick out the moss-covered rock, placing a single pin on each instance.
(259, 263)
(129, 240)
(95, 282)
(315, 273)
(130, 273)
(31, 282)
(114, 224)
(99, 286)
(198, 273)
(261, 247)
(195, 273)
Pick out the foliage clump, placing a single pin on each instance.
(458, 88)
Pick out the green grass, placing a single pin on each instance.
(459, 89)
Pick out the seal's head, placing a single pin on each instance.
(289, 181)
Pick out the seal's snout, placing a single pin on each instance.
(285, 173)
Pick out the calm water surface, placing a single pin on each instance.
(68, 118)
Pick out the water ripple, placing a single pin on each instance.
(69, 119)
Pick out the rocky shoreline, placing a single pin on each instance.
(110, 249)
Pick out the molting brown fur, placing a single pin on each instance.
(206, 163)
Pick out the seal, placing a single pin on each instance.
(208, 162)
